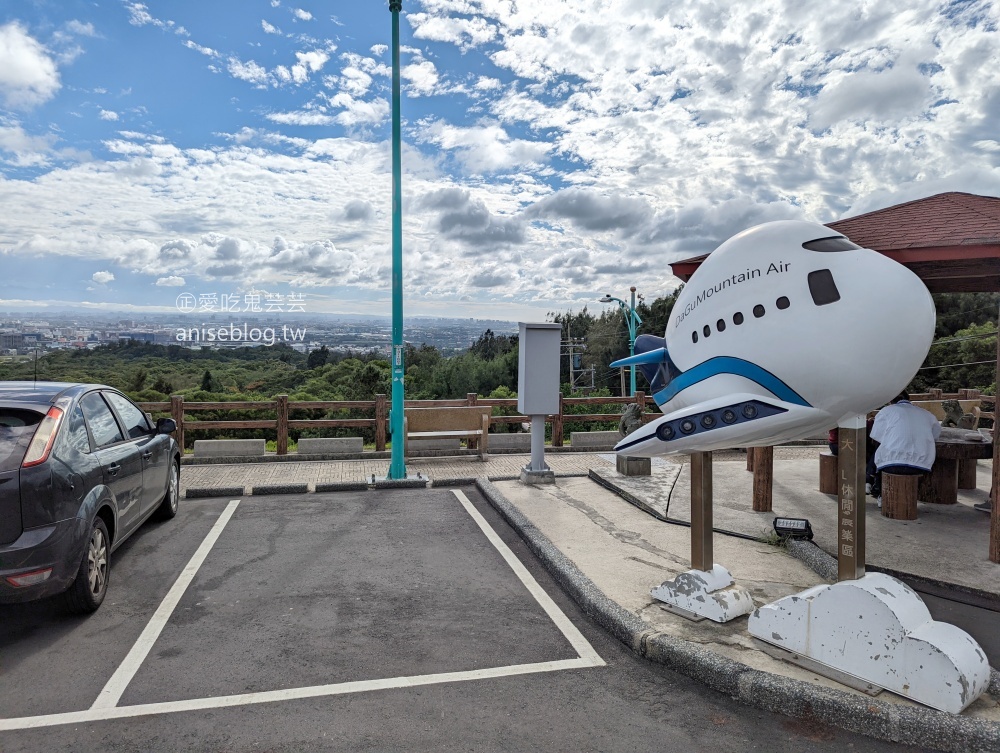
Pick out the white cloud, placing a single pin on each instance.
(302, 15)
(248, 71)
(423, 77)
(207, 51)
(173, 281)
(268, 28)
(309, 62)
(81, 29)
(102, 278)
(28, 75)
(486, 148)
(108, 115)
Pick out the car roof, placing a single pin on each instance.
(42, 393)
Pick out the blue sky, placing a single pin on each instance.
(552, 151)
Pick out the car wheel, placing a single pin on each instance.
(168, 507)
(91, 584)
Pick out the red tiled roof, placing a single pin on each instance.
(951, 241)
(946, 219)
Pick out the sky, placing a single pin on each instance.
(552, 151)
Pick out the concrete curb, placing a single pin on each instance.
(342, 486)
(762, 690)
(401, 483)
(214, 491)
(262, 489)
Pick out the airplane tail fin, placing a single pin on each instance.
(652, 359)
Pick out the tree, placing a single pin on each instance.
(207, 381)
(318, 358)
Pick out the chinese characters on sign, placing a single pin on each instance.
(253, 302)
(851, 503)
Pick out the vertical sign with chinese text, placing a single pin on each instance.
(851, 461)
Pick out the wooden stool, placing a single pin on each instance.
(899, 496)
(828, 473)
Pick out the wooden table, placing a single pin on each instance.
(942, 485)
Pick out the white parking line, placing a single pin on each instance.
(106, 708)
(574, 636)
(112, 693)
(316, 691)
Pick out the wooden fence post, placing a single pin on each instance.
(381, 416)
(281, 408)
(640, 398)
(763, 478)
(472, 398)
(177, 413)
(557, 425)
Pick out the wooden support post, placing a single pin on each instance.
(828, 473)
(899, 496)
(640, 399)
(763, 478)
(381, 417)
(940, 486)
(177, 413)
(557, 425)
(967, 473)
(471, 398)
(281, 408)
(995, 515)
(702, 557)
(750, 458)
(851, 500)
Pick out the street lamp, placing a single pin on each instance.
(633, 321)
(397, 464)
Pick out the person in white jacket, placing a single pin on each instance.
(906, 436)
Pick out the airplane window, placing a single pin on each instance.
(834, 243)
(737, 318)
(721, 325)
(758, 311)
(694, 337)
(707, 330)
(822, 287)
(782, 303)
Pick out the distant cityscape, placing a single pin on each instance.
(25, 333)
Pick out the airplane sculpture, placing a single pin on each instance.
(783, 331)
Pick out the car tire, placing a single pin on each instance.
(171, 500)
(91, 583)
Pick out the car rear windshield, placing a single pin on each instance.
(17, 426)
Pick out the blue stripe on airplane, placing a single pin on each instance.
(729, 365)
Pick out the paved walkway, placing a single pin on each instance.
(439, 469)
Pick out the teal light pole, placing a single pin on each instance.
(633, 321)
(397, 464)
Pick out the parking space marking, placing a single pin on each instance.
(112, 692)
(568, 629)
(270, 696)
(105, 707)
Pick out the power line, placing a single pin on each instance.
(949, 365)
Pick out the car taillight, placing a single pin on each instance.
(45, 435)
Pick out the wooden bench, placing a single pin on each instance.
(471, 422)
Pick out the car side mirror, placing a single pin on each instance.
(166, 426)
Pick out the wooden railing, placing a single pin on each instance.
(282, 407)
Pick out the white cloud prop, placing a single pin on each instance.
(877, 629)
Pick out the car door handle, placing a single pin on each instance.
(114, 468)
(147, 455)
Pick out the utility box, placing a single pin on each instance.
(538, 368)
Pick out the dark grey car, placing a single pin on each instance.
(81, 468)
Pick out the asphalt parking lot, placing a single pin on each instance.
(391, 620)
